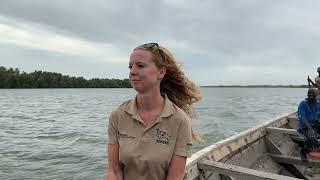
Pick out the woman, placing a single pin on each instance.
(149, 137)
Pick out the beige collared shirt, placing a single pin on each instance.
(146, 152)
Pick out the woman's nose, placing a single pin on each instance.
(133, 70)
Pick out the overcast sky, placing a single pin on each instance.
(217, 42)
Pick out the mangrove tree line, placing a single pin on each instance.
(13, 78)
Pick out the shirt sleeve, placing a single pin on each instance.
(318, 109)
(184, 139)
(302, 111)
(113, 130)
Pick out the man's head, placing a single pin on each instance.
(312, 93)
(318, 69)
(317, 82)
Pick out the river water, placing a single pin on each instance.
(61, 133)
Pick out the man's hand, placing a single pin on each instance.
(311, 133)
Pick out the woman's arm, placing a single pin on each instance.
(114, 169)
(182, 150)
(176, 167)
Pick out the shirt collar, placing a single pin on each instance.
(167, 111)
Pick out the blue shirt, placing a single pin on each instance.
(312, 114)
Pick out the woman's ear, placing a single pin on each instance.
(162, 73)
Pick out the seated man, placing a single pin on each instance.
(309, 116)
(318, 77)
(317, 83)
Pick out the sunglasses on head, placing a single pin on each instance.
(156, 45)
(150, 45)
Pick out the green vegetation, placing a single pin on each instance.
(13, 78)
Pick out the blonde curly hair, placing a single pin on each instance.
(179, 89)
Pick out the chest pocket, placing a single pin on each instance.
(124, 137)
(127, 146)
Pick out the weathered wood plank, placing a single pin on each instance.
(293, 121)
(221, 149)
(295, 160)
(293, 118)
(283, 131)
(298, 138)
(272, 148)
(259, 129)
(239, 172)
(247, 155)
(192, 173)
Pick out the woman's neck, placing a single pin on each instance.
(149, 102)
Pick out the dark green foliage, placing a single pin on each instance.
(12, 78)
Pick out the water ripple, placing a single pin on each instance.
(61, 133)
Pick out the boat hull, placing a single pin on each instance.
(261, 152)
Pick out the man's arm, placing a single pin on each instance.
(305, 121)
(311, 132)
(318, 107)
(302, 113)
(302, 117)
(309, 80)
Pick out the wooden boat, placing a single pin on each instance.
(267, 151)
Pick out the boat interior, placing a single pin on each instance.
(273, 150)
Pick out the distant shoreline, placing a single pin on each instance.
(257, 86)
(14, 79)
(229, 86)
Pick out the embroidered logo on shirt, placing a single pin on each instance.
(125, 136)
(188, 147)
(162, 137)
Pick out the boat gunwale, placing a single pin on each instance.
(205, 152)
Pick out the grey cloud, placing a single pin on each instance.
(227, 26)
(29, 60)
(217, 33)
(106, 21)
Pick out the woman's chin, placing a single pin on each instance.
(137, 88)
